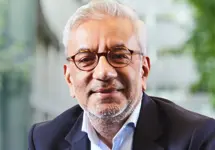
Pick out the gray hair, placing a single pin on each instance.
(99, 9)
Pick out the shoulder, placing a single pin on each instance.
(181, 123)
(177, 113)
(57, 128)
(63, 121)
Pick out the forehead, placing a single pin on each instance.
(95, 34)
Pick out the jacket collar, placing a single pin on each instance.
(147, 131)
(149, 128)
(77, 138)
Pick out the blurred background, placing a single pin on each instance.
(181, 45)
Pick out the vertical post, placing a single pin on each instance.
(3, 44)
(2, 113)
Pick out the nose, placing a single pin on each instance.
(104, 71)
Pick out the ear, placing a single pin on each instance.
(68, 79)
(145, 71)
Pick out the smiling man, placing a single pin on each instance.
(106, 72)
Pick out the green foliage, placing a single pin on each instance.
(202, 44)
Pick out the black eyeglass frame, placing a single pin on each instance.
(72, 58)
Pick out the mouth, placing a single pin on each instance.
(105, 91)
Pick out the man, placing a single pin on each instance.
(106, 72)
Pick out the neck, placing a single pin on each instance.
(106, 129)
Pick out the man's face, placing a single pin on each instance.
(106, 91)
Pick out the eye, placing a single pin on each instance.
(86, 59)
(119, 56)
(120, 53)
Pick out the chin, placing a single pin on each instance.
(105, 111)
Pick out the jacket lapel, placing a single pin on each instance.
(148, 129)
(82, 144)
(78, 140)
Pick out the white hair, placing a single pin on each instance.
(98, 10)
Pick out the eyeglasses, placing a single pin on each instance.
(118, 57)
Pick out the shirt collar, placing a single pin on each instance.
(134, 115)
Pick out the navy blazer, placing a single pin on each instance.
(162, 125)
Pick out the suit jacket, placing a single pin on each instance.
(162, 125)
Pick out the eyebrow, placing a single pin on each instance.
(83, 49)
(117, 45)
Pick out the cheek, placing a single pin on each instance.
(80, 86)
(133, 73)
(132, 78)
(80, 92)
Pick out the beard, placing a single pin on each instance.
(112, 114)
(109, 110)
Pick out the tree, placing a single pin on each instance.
(202, 44)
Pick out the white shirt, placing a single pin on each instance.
(122, 140)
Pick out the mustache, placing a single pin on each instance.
(97, 86)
